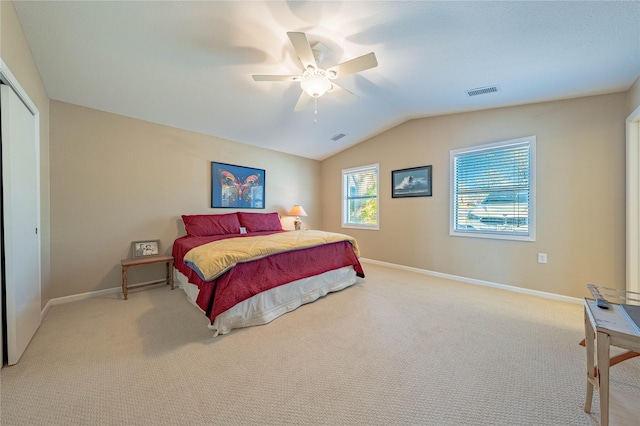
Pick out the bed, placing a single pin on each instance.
(242, 269)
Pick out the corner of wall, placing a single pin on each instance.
(633, 96)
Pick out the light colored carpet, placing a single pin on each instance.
(398, 348)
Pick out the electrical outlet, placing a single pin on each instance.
(542, 257)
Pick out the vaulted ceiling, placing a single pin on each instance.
(190, 64)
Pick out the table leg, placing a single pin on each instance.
(170, 273)
(588, 344)
(125, 287)
(602, 345)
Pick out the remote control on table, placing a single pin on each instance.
(601, 303)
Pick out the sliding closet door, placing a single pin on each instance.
(21, 251)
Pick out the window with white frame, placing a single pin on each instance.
(493, 190)
(360, 197)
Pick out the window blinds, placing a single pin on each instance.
(502, 169)
(360, 197)
(492, 189)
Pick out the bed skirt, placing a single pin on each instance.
(269, 305)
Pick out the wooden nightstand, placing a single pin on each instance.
(127, 263)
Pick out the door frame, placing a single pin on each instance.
(7, 77)
(633, 201)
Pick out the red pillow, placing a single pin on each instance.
(256, 222)
(203, 225)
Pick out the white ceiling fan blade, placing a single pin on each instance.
(342, 93)
(355, 65)
(276, 77)
(303, 49)
(303, 100)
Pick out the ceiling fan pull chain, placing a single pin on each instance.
(315, 110)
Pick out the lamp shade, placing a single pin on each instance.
(297, 210)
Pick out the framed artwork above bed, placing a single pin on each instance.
(237, 186)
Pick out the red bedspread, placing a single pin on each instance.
(248, 279)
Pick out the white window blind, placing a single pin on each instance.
(493, 190)
(360, 197)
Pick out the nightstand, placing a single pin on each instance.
(149, 260)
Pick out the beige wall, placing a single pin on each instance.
(115, 180)
(580, 196)
(16, 54)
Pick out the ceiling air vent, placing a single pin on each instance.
(482, 90)
(338, 136)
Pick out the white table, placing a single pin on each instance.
(606, 328)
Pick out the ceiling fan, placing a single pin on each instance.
(316, 81)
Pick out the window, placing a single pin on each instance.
(360, 197)
(493, 190)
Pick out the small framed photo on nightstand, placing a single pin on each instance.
(146, 248)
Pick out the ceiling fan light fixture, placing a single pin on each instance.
(315, 83)
(315, 86)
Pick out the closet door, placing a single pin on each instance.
(21, 195)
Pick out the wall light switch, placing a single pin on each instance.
(542, 257)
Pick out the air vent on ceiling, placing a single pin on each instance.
(338, 136)
(482, 90)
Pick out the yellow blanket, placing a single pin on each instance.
(212, 259)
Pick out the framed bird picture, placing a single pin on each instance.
(237, 186)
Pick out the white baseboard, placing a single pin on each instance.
(98, 293)
(537, 293)
(83, 296)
